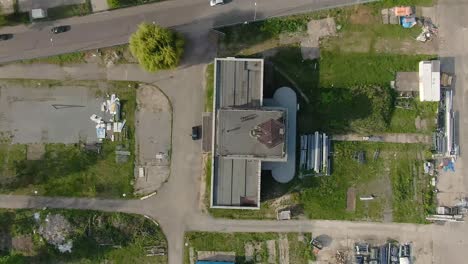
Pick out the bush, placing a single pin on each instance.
(275, 26)
(156, 48)
(124, 3)
(381, 105)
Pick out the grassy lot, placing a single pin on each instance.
(395, 177)
(65, 11)
(333, 89)
(70, 170)
(398, 164)
(113, 4)
(97, 237)
(299, 251)
(209, 88)
(119, 54)
(62, 59)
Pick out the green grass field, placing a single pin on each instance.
(69, 170)
(97, 237)
(209, 88)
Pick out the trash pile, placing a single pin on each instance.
(55, 231)
(406, 17)
(429, 30)
(112, 128)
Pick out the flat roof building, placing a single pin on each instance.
(245, 133)
(429, 81)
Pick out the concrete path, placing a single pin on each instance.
(453, 186)
(389, 138)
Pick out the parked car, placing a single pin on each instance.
(216, 2)
(60, 29)
(6, 36)
(196, 132)
(315, 243)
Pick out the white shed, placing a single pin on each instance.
(429, 81)
(38, 13)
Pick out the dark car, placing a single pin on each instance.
(196, 131)
(6, 36)
(60, 29)
(315, 243)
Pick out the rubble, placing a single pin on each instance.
(55, 230)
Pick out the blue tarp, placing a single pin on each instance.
(407, 22)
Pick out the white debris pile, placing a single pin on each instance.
(55, 229)
(110, 107)
(429, 30)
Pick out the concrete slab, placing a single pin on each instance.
(99, 5)
(27, 5)
(59, 114)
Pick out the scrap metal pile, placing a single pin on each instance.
(112, 128)
(429, 30)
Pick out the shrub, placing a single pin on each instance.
(156, 48)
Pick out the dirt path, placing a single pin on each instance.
(283, 245)
(390, 138)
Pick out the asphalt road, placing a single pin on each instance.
(114, 27)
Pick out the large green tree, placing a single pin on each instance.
(156, 48)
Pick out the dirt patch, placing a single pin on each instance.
(35, 151)
(406, 46)
(362, 15)
(271, 247)
(154, 113)
(348, 42)
(249, 252)
(351, 199)
(316, 29)
(421, 124)
(24, 244)
(283, 245)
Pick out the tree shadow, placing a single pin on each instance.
(330, 109)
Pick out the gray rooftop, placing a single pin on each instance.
(235, 129)
(237, 182)
(239, 82)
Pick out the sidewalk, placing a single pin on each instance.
(88, 71)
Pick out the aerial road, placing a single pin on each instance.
(114, 27)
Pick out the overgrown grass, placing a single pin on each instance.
(235, 242)
(97, 237)
(398, 164)
(339, 69)
(333, 89)
(113, 4)
(62, 59)
(65, 11)
(209, 89)
(70, 170)
(404, 119)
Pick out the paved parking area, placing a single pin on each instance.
(36, 113)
